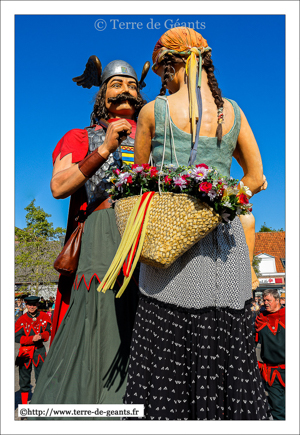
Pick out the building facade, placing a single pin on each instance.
(270, 249)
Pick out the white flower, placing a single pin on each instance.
(230, 190)
(212, 194)
(123, 177)
(245, 189)
(226, 203)
(137, 169)
(199, 173)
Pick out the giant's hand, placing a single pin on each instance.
(112, 138)
(265, 183)
(67, 178)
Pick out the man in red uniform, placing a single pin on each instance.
(32, 329)
(270, 332)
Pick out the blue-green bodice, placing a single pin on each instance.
(208, 152)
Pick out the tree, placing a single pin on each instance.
(265, 229)
(255, 264)
(37, 247)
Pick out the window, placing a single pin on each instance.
(267, 264)
(283, 261)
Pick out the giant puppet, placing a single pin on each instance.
(88, 357)
(192, 354)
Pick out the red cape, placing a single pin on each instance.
(270, 320)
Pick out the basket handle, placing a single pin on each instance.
(167, 119)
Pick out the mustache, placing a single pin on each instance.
(123, 97)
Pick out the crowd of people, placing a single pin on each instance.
(179, 340)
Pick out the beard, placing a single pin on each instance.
(123, 97)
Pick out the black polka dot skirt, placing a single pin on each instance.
(194, 364)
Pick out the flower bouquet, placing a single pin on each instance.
(162, 213)
(202, 182)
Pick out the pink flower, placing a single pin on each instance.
(202, 165)
(181, 182)
(205, 187)
(199, 173)
(119, 185)
(116, 171)
(185, 177)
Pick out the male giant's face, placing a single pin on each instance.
(120, 96)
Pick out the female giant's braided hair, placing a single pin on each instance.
(170, 59)
(100, 110)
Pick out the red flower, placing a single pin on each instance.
(202, 165)
(116, 171)
(146, 166)
(243, 199)
(153, 171)
(205, 187)
(185, 177)
(167, 180)
(129, 180)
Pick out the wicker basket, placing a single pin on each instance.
(176, 223)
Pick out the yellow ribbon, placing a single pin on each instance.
(191, 71)
(127, 243)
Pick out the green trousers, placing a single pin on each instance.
(25, 376)
(276, 398)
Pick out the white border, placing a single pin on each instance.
(8, 9)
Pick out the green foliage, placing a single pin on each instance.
(255, 264)
(265, 229)
(37, 246)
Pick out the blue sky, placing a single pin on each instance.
(248, 52)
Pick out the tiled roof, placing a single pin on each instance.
(271, 243)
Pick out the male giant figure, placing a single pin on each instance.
(88, 358)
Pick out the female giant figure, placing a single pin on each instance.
(192, 352)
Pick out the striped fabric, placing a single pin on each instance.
(127, 154)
